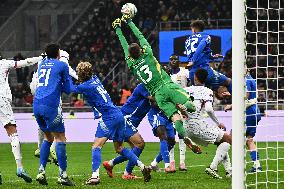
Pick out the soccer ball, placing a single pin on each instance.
(130, 9)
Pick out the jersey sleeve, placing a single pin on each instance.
(143, 91)
(66, 83)
(202, 44)
(143, 42)
(26, 62)
(123, 42)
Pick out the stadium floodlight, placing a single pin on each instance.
(238, 61)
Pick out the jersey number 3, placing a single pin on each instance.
(145, 69)
(44, 74)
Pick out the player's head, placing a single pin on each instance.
(197, 26)
(200, 76)
(174, 61)
(134, 50)
(84, 71)
(52, 51)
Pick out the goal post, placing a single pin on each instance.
(238, 81)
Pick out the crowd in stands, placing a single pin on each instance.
(94, 39)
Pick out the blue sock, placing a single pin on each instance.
(130, 166)
(159, 158)
(96, 158)
(44, 154)
(254, 155)
(130, 156)
(164, 151)
(170, 146)
(119, 159)
(230, 87)
(60, 149)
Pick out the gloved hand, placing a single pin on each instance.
(126, 18)
(116, 23)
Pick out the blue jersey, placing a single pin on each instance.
(97, 97)
(156, 111)
(137, 105)
(198, 49)
(53, 79)
(251, 89)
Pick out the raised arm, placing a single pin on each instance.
(138, 34)
(117, 27)
(26, 62)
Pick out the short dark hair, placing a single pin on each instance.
(198, 24)
(201, 75)
(134, 50)
(174, 57)
(52, 50)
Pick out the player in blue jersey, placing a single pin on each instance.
(134, 110)
(200, 55)
(164, 130)
(53, 79)
(253, 116)
(112, 125)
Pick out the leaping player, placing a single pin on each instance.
(6, 113)
(200, 55)
(199, 131)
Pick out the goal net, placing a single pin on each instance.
(264, 31)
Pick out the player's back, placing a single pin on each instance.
(202, 58)
(201, 95)
(148, 71)
(97, 97)
(137, 105)
(53, 79)
(251, 89)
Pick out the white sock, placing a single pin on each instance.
(172, 154)
(154, 163)
(110, 162)
(96, 174)
(182, 150)
(40, 138)
(167, 165)
(52, 147)
(256, 164)
(141, 165)
(16, 149)
(227, 163)
(221, 152)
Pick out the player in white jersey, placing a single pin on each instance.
(6, 114)
(199, 131)
(180, 76)
(64, 57)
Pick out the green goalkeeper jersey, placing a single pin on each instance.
(146, 68)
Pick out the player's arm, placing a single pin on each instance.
(117, 27)
(210, 111)
(23, 63)
(66, 83)
(64, 57)
(200, 48)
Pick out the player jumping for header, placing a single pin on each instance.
(146, 68)
(200, 55)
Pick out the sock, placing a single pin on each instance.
(179, 127)
(164, 151)
(16, 149)
(132, 158)
(40, 138)
(61, 156)
(44, 154)
(129, 167)
(227, 163)
(172, 154)
(119, 159)
(157, 160)
(254, 155)
(182, 150)
(96, 161)
(221, 152)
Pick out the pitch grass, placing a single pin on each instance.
(79, 169)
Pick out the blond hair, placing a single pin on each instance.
(84, 71)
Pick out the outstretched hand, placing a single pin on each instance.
(116, 23)
(126, 18)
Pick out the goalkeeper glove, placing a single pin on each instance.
(126, 18)
(116, 23)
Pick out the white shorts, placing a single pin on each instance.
(201, 133)
(6, 112)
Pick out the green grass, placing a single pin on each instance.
(79, 168)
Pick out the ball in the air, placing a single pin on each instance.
(129, 8)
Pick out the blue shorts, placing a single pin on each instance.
(251, 124)
(49, 119)
(112, 128)
(158, 120)
(130, 129)
(214, 79)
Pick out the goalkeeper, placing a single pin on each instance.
(170, 97)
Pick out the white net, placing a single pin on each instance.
(265, 61)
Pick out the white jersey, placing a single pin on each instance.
(5, 66)
(181, 77)
(203, 97)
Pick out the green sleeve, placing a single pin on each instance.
(123, 41)
(139, 35)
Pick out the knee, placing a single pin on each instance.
(162, 133)
(11, 129)
(118, 149)
(140, 144)
(171, 141)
